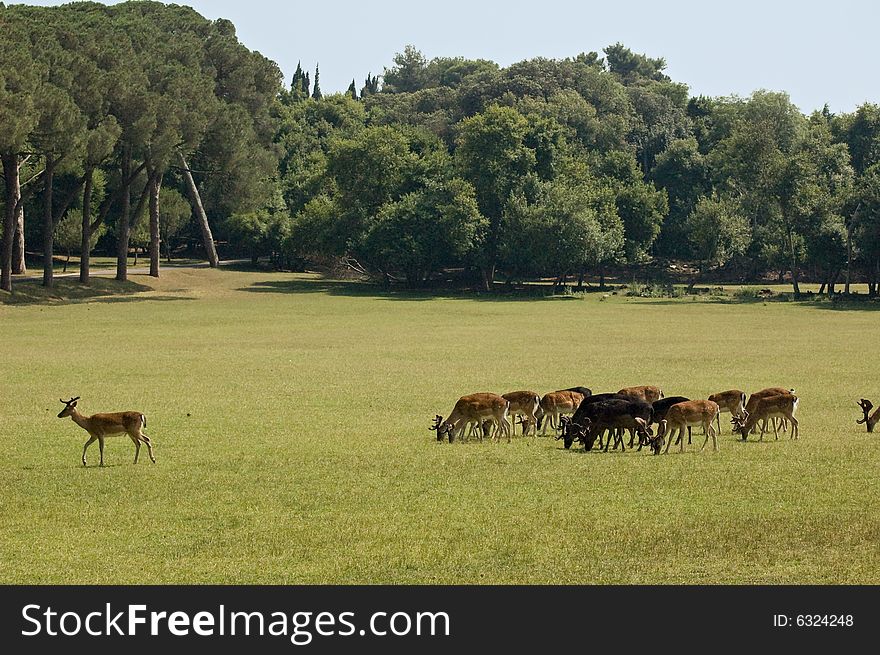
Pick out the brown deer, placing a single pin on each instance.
(869, 421)
(647, 393)
(555, 404)
(115, 424)
(689, 414)
(524, 404)
(732, 401)
(782, 405)
(766, 393)
(474, 408)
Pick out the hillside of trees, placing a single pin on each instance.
(145, 125)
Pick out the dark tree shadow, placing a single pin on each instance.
(357, 289)
(67, 291)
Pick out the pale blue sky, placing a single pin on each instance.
(817, 51)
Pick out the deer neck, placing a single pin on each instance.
(79, 419)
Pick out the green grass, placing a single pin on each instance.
(291, 414)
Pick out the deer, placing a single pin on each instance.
(765, 393)
(555, 404)
(689, 414)
(524, 404)
(782, 405)
(588, 424)
(474, 408)
(732, 401)
(114, 424)
(647, 393)
(869, 421)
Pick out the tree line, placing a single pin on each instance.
(437, 169)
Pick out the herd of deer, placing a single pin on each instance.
(579, 415)
(576, 413)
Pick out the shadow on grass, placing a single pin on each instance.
(68, 291)
(852, 303)
(368, 290)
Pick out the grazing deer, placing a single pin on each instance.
(869, 421)
(732, 402)
(524, 404)
(782, 405)
(109, 425)
(475, 408)
(689, 414)
(766, 393)
(555, 404)
(647, 393)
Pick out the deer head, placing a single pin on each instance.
(867, 406)
(644, 431)
(739, 424)
(442, 428)
(69, 406)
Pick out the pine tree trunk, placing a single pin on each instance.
(48, 224)
(86, 243)
(795, 269)
(10, 176)
(155, 186)
(123, 228)
(199, 210)
(19, 266)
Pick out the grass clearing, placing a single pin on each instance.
(290, 416)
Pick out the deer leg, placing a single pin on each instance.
(794, 428)
(670, 433)
(776, 429)
(88, 443)
(149, 443)
(681, 438)
(137, 447)
(101, 449)
(709, 429)
(689, 435)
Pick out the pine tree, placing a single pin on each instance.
(316, 94)
(352, 91)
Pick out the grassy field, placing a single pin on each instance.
(291, 414)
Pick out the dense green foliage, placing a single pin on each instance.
(111, 97)
(543, 168)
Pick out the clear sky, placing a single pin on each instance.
(816, 51)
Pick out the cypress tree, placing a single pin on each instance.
(316, 94)
(352, 91)
(371, 85)
(306, 85)
(296, 86)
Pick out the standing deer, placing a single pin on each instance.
(782, 405)
(524, 404)
(109, 425)
(555, 404)
(869, 421)
(732, 401)
(648, 393)
(689, 414)
(475, 408)
(755, 398)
